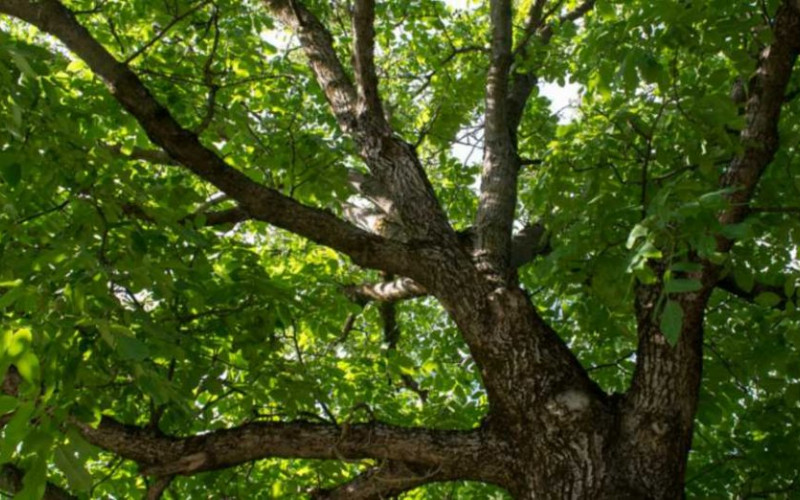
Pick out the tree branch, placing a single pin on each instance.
(317, 43)
(767, 89)
(159, 455)
(364, 58)
(524, 82)
(262, 203)
(498, 192)
(385, 291)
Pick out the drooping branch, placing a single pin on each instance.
(184, 146)
(385, 481)
(160, 455)
(364, 58)
(498, 191)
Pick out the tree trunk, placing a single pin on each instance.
(565, 437)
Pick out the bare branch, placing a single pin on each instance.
(160, 455)
(364, 58)
(500, 162)
(318, 45)
(261, 202)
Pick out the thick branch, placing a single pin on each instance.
(160, 455)
(261, 202)
(500, 162)
(364, 57)
(760, 140)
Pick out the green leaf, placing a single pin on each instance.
(11, 173)
(678, 285)
(672, 321)
(131, 348)
(638, 231)
(768, 299)
(77, 475)
(28, 366)
(7, 404)
(744, 279)
(15, 431)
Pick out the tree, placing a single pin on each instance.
(242, 259)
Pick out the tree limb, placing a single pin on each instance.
(160, 455)
(524, 82)
(498, 191)
(262, 203)
(759, 137)
(364, 58)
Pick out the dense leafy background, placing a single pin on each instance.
(108, 311)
